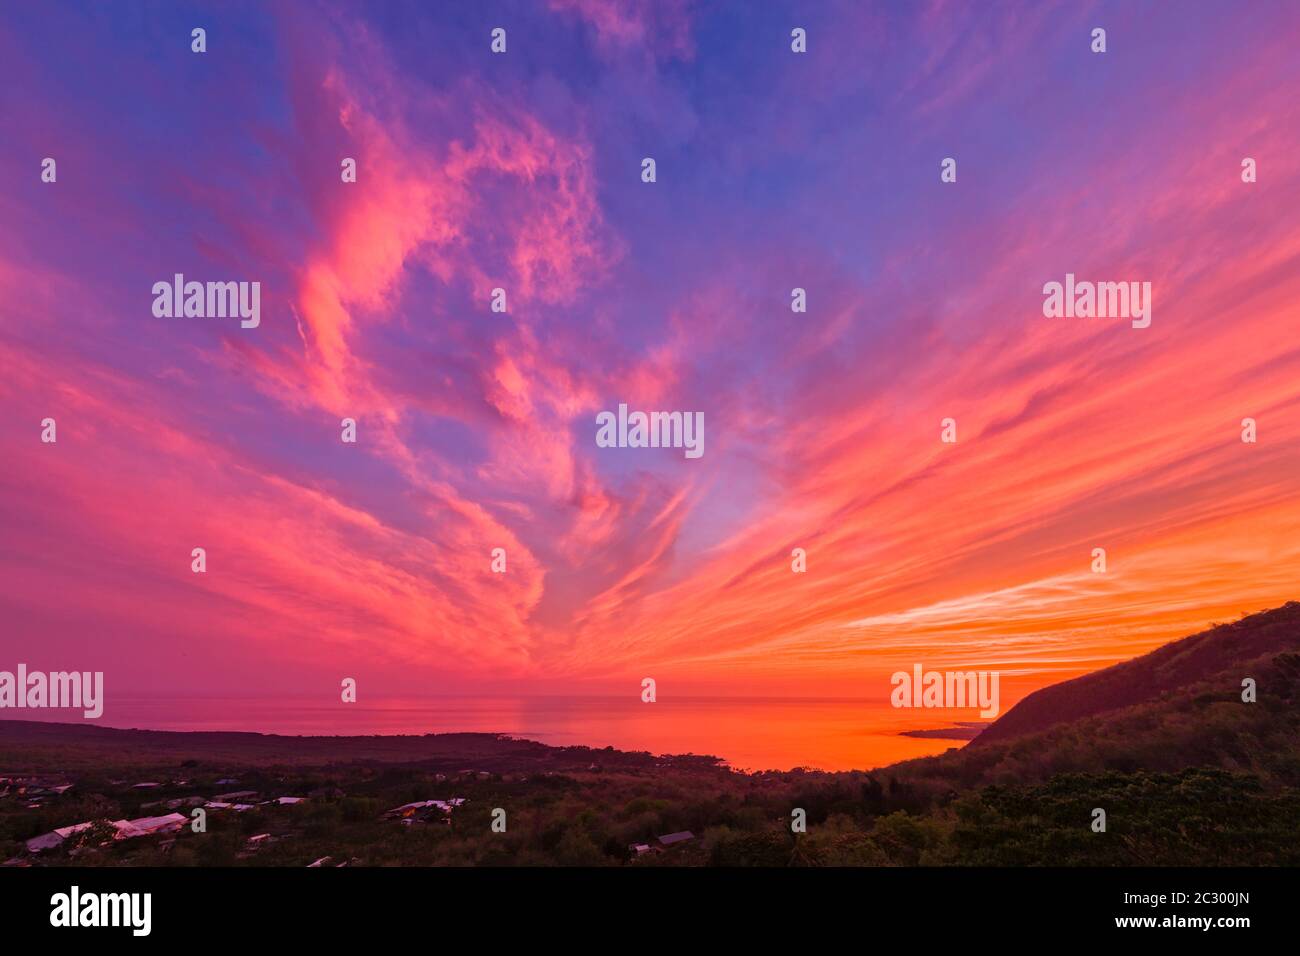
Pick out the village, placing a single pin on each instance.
(79, 842)
(343, 814)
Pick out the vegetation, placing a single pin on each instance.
(1187, 773)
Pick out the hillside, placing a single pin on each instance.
(1176, 708)
(1220, 656)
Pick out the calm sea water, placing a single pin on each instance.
(749, 733)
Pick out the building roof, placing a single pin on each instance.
(145, 826)
(680, 837)
(446, 806)
(47, 841)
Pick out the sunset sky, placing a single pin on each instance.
(476, 430)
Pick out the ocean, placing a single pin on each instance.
(749, 733)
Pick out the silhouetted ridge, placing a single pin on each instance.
(1225, 650)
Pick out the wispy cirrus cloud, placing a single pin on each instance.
(476, 428)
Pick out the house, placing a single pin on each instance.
(148, 826)
(285, 801)
(255, 843)
(679, 837)
(406, 809)
(175, 804)
(423, 809)
(234, 797)
(146, 786)
(227, 782)
(446, 806)
(321, 862)
(48, 841)
(143, 826)
(639, 849)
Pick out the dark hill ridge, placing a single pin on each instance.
(39, 746)
(1174, 710)
(1227, 651)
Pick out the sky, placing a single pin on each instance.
(477, 429)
